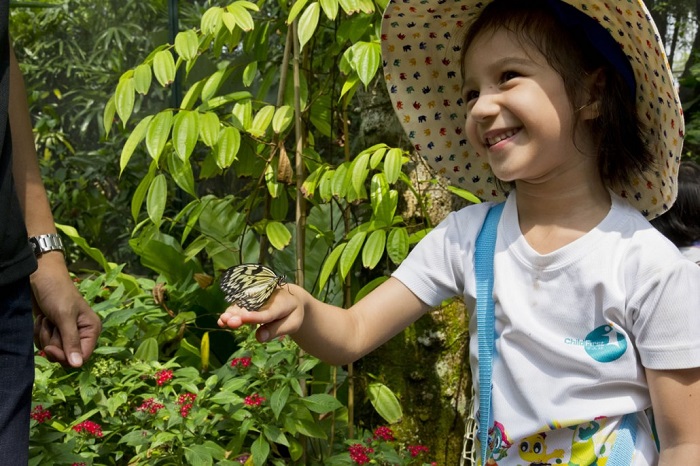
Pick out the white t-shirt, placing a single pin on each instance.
(692, 253)
(574, 328)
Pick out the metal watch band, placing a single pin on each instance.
(45, 243)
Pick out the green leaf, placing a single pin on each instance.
(209, 127)
(132, 142)
(260, 451)
(212, 84)
(227, 147)
(295, 10)
(351, 252)
(124, 99)
(366, 58)
(367, 289)
(359, 171)
(155, 200)
(249, 73)
(158, 133)
(279, 399)
(397, 245)
(243, 114)
(392, 165)
(262, 121)
(330, 8)
(211, 20)
(181, 171)
(185, 133)
(192, 94)
(283, 117)
(308, 23)
(243, 18)
(142, 78)
(321, 403)
(108, 115)
(147, 350)
(164, 67)
(329, 265)
(340, 178)
(385, 402)
(278, 235)
(464, 194)
(187, 44)
(373, 249)
(140, 192)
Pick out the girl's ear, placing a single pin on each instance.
(595, 84)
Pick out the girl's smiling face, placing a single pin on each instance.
(519, 114)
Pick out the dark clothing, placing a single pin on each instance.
(16, 371)
(16, 257)
(17, 262)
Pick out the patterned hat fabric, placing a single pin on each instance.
(422, 47)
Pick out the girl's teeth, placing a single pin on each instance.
(499, 138)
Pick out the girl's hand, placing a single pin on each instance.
(281, 315)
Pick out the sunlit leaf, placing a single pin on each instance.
(187, 44)
(295, 10)
(262, 121)
(124, 99)
(249, 73)
(308, 23)
(397, 245)
(164, 67)
(330, 8)
(283, 117)
(155, 200)
(133, 141)
(243, 17)
(373, 249)
(185, 133)
(347, 259)
(227, 147)
(278, 235)
(142, 78)
(209, 127)
(158, 133)
(385, 402)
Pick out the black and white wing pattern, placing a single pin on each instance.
(249, 285)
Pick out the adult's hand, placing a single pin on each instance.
(65, 326)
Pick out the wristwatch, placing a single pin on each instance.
(45, 243)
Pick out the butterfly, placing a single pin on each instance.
(249, 285)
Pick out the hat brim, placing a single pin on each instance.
(422, 46)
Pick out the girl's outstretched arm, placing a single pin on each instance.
(335, 335)
(675, 397)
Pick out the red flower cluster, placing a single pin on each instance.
(360, 453)
(253, 400)
(89, 427)
(186, 400)
(79, 464)
(40, 415)
(384, 433)
(416, 450)
(150, 406)
(243, 362)
(163, 376)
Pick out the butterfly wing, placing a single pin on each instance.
(249, 285)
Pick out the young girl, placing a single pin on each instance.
(570, 108)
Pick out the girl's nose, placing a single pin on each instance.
(484, 107)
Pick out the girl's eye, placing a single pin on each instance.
(471, 95)
(508, 75)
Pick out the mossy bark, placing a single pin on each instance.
(427, 367)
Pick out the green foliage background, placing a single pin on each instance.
(172, 155)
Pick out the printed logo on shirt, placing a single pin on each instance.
(604, 344)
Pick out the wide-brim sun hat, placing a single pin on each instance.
(422, 48)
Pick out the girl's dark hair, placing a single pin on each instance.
(622, 151)
(681, 223)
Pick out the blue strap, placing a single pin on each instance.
(623, 448)
(485, 320)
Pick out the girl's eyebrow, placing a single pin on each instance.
(500, 64)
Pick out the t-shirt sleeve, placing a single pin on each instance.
(667, 323)
(437, 267)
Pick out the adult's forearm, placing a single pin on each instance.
(25, 168)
